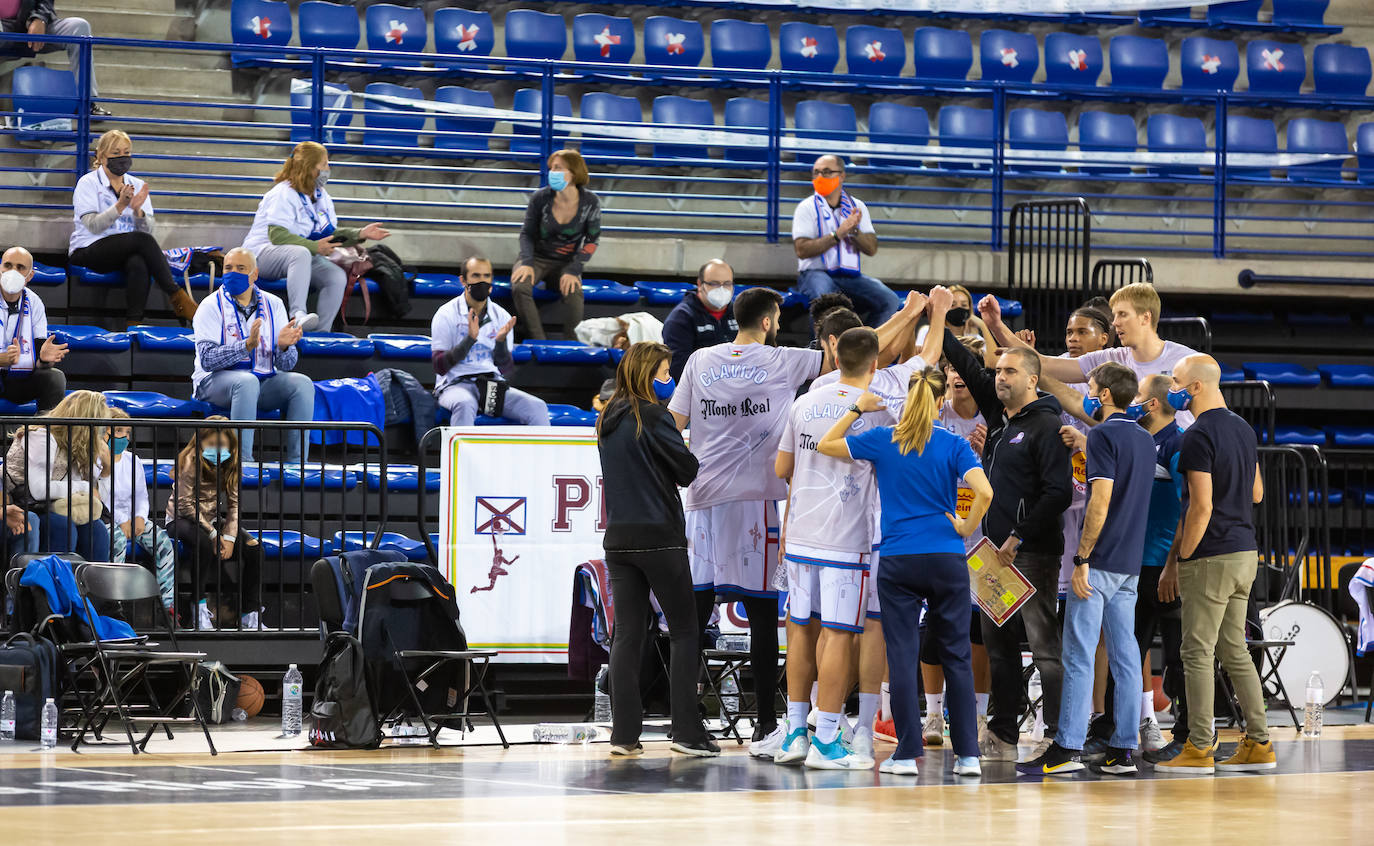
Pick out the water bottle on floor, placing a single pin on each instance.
(564, 733)
(1312, 713)
(48, 735)
(7, 716)
(601, 700)
(729, 697)
(291, 702)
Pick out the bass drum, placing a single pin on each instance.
(1319, 644)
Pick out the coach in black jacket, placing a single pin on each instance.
(704, 318)
(1028, 466)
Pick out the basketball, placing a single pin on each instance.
(250, 695)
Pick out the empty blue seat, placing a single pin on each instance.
(1138, 62)
(335, 345)
(673, 41)
(1350, 436)
(392, 124)
(535, 35)
(1072, 59)
(1242, 14)
(412, 549)
(684, 112)
(436, 285)
(46, 274)
(894, 123)
(87, 276)
(747, 112)
(261, 23)
(608, 292)
(614, 111)
(1008, 56)
(1208, 64)
(1106, 132)
(1282, 373)
(664, 293)
(80, 338)
(1175, 134)
(46, 102)
(338, 100)
(332, 26)
(566, 352)
(745, 45)
(401, 478)
(521, 354)
(825, 121)
(464, 33)
(1302, 16)
(254, 475)
(603, 38)
(1275, 68)
(874, 50)
(1308, 135)
(1347, 375)
(476, 132)
(290, 543)
(1364, 149)
(1181, 16)
(966, 127)
(570, 415)
(397, 29)
(1340, 70)
(1232, 374)
(1034, 129)
(1250, 135)
(162, 338)
(409, 347)
(314, 477)
(945, 54)
(1298, 435)
(808, 47)
(153, 404)
(159, 473)
(529, 100)
(9, 408)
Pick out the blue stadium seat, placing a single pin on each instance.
(808, 47)
(874, 51)
(153, 404)
(1175, 134)
(9, 408)
(1034, 129)
(1302, 16)
(614, 110)
(943, 54)
(1138, 63)
(162, 338)
(529, 100)
(412, 549)
(336, 120)
(825, 121)
(1251, 135)
(1347, 375)
(608, 292)
(335, 345)
(1282, 373)
(290, 543)
(401, 478)
(332, 26)
(751, 113)
(521, 354)
(1176, 17)
(159, 473)
(253, 475)
(664, 293)
(1309, 135)
(1107, 132)
(397, 29)
(1297, 435)
(261, 23)
(89, 338)
(388, 125)
(407, 347)
(46, 274)
(1232, 374)
(1242, 14)
(1350, 436)
(535, 35)
(566, 352)
(1339, 70)
(436, 285)
(965, 126)
(87, 276)
(673, 41)
(684, 111)
(464, 33)
(44, 98)
(894, 123)
(744, 45)
(1364, 148)
(500, 289)
(1275, 68)
(314, 477)
(603, 38)
(1072, 59)
(477, 131)
(1208, 64)
(570, 415)
(1008, 56)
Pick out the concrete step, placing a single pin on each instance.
(118, 22)
(117, 79)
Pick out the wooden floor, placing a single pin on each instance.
(1322, 793)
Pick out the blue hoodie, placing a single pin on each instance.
(54, 576)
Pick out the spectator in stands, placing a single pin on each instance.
(28, 364)
(203, 514)
(603, 396)
(703, 318)
(471, 349)
(829, 231)
(124, 494)
(36, 17)
(113, 229)
(245, 352)
(562, 226)
(295, 231)
(49, 470)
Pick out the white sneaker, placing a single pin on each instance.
(795, 744)
(861, 746)
(1036, 751)
(833, 756)
(894, 767)
(993, 748)
(933, 730)
(306, 320)
(252, 622)
(205, 621)
(1151, 738)
(967, 767)
(768, 745)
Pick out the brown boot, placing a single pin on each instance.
(183, 306)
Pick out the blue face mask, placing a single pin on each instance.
(1180, 399)
(558, 180)
(1136, 410)
(234, 283)
(664, 390)
(216, 455)
(118, 445)
(1092, 406)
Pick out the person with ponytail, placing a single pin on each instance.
(643, 463)
(918, 465)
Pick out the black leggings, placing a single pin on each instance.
(237, 577)
(763, 650)
(139, 256)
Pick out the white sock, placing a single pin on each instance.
(982, 700)
(797, 712)
(1147, 706)
(868, 710)
(935, 704)
(886, 709)
(827, 726)
(815, 693)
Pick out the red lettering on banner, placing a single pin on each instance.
(601, 512)
(570, 493)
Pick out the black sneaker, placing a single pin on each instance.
(1094, 750)
(705, 748)
(761, 731)
(1117, 762)
(100, 112)
(1166, 754)
(1056, 761)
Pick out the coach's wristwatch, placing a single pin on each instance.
(855, 408)
(1079, 561)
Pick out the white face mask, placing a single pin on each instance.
(12, 282)
(719, 298)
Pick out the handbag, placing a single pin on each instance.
(491, 395)
(81, 508)
(355, 262)
(216, 691)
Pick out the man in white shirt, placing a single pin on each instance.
(28, 356)
(245, 352)
(829, 231)
(471, 349)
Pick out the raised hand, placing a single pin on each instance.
(474, 321)
(870, 402)
(290, 334)
(941, 299)
(978, 438)
(374, 232)
(140, 198)
(10, 355)
(254, 332)
(915, 303)
(52, 352)
(505, 330)
(990, 309)
(1028, 336)
(126, 197)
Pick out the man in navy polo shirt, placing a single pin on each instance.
(1121, 464)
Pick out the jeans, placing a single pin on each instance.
(46, 384)
(874, 301)
(460, 398)
(58, 534)
(941, 579)
(139, 257)
(246, 395)
(1110, 608)
(23, 541)
(1040, 616)
(1216, 592)
(633, 576)
(304, 270)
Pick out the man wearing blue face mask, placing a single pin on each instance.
(245, 352)
(705, 317)
(28, 355)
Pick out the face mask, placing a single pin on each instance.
(1092, 406)
(216, 455)
(957, 316)
(719, 298)
(825, 185)
(118, 445)
(234, 283)
(1136, 410)
(321, 179)
(558, 180)
(119, 165)
(479, 291)
(12, 282)
(664, 390)
(1180, 399)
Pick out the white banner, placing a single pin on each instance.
(983, 7)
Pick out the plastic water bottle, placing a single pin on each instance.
(1316, 700)
(601, 700)
(1035, 691)
(291, 702)
(48, 736)
(729, 698)
(7, 716)
(564, 733)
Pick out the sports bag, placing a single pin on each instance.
(28, 666)
(342, 714)
(216, 691)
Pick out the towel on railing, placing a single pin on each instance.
(1362, 589)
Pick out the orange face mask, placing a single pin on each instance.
(825, 185)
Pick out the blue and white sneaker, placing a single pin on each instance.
(795, 746)
(834, 755)
(861, 746)
(893, 766)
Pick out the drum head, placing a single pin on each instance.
(1319, 644)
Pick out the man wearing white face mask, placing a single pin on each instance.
(704, 318)
(28, 357)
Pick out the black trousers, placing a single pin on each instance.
(238, 578)
(763, 650)
(633, 576)
(1040, 616)
(45, 384)
(139, 256)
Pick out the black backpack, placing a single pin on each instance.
(393, 284)
(342, 712)
(28, 666)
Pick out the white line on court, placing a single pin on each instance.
(384, 771)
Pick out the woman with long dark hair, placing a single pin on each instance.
(643, 463)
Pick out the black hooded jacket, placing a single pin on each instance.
(641, 472)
